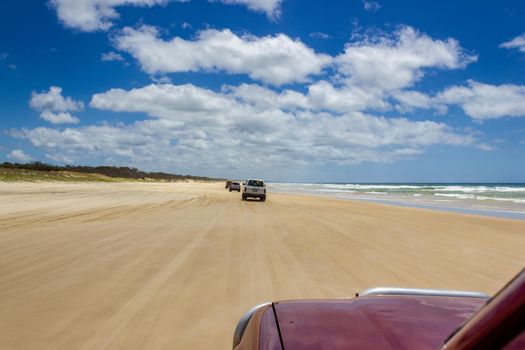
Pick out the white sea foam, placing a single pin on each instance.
(456, 195)
(481, 189)
(514, 200)
(497, 197)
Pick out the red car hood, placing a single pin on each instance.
(375, 322)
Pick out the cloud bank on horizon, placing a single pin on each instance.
(271, 97)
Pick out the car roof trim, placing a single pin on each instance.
(422, 292)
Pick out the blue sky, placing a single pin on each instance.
(282, 89)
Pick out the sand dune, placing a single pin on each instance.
(157, 266)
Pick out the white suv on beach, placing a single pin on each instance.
(254, 188)
(235, 186)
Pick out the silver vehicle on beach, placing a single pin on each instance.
(254, 188)
(235, 186)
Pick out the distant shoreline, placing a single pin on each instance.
(502, 200)
(489, 213)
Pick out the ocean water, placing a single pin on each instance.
(492, 199)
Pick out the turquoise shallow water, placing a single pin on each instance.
(491, 199)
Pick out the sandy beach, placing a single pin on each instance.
(165, 265)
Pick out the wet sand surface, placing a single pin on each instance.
(174, 266)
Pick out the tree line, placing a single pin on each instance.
(111, 171)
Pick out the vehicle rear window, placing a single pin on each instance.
(255, 183)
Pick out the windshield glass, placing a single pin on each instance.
(255, 183)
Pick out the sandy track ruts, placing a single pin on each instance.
(157, 266)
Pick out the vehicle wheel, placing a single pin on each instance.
(243, 197)
(263, 198)
(239, 191)
(230, 189)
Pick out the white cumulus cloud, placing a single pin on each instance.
(485, 101)
(397, 61)
(186, 124)
(19, 155)
(92, 15)
(328, 121)
(320, 35)
(516, 43)
(273, 59)
(410, 100)
(59, 117)
(320, 95)
(111, 56)
(54, 107)
(369, 72)
(371, 6)
(374, 73)
(54, 101)
(272, 8)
